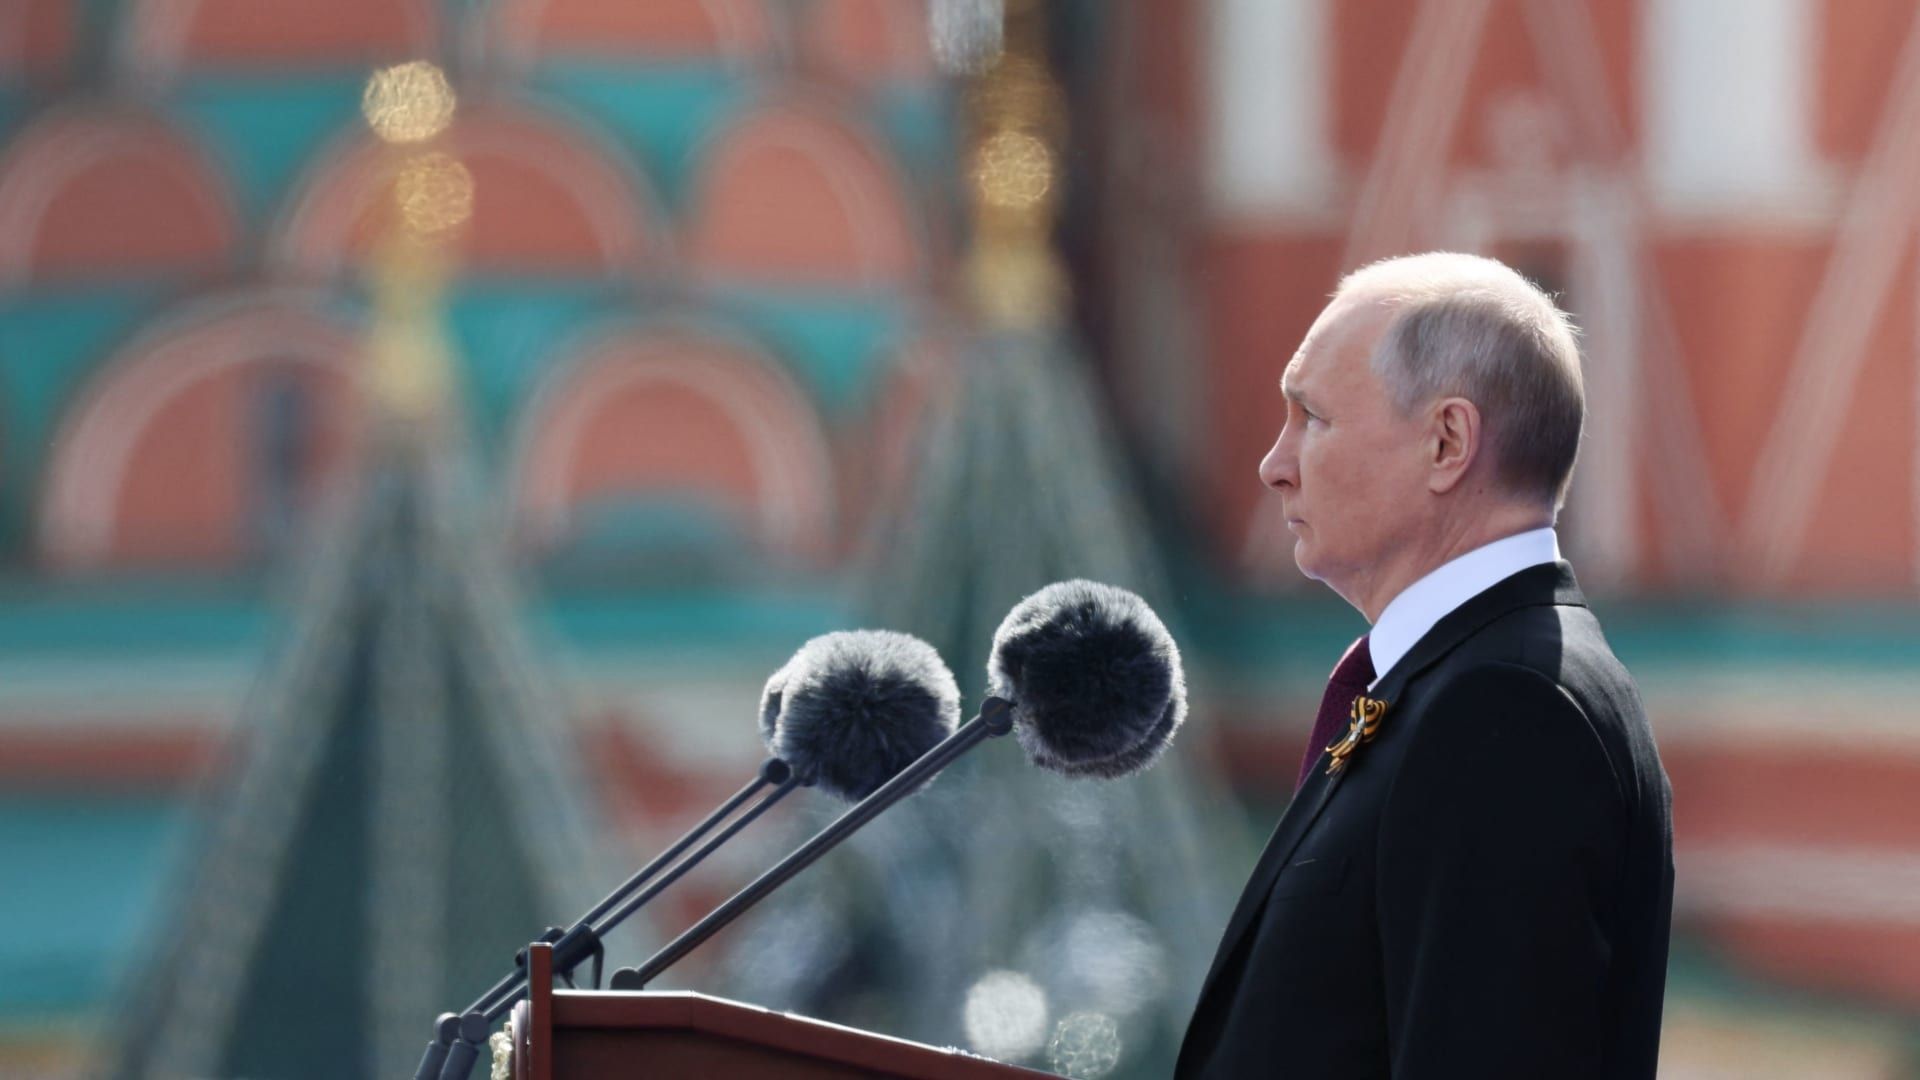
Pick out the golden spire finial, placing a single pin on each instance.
(1018, 122)
(409, 371)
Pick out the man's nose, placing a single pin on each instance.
(1277, 468)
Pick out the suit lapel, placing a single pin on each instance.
(1548, 583)
(1299, 816)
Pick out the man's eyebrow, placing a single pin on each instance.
(1293, 393)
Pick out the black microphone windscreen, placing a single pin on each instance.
(853, 708)
(1094, 678)
(771, 697)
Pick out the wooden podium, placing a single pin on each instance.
(576, 1034)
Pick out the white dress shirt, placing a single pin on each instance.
(1411, 614)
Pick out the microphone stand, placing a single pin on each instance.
(458, 1037)
(996, 718)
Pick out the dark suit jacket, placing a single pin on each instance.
(1484, 891)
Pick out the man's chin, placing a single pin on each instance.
(1303, 559)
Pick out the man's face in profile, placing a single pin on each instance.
(1346, 464)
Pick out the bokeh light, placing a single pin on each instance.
(1085, 1046)
(1006, 1015)
(434, 193)
(1108, 960)
(408, 103)
(1013, 170)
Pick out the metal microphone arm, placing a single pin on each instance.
(458, 1036)
(996, 718)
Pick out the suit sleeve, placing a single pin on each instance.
(1499, 850)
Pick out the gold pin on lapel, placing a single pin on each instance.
(1363, 724)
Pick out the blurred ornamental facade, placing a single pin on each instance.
(735, 363)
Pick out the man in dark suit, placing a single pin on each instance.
(1475, 875)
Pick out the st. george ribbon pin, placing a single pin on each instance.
(1363, 723)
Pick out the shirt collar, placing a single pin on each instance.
(1419, 606)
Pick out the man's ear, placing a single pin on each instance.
(1454, 441)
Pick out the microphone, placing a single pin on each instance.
(846, 713)
(1094, 678)
(1086, 673)
(853, 708)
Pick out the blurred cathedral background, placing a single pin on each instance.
(425, 424)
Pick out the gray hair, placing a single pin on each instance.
(1472, 327)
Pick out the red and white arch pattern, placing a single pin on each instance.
(732, 31)
(144, 469)
(868, 42)
(673, 407)
(547, 198)
(93, 192)
(795, 193)
(164, 37)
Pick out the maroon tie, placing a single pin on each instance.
(1350, 678)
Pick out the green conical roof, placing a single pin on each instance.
(403, 816)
